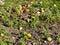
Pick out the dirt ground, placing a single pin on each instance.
(39, 38)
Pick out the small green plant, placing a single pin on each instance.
(22, 38)
(10, 23)
(23, 23)
(45, 33)
(3, 42)
(22, 41)
(3, 36)
(32, 9)
(34, 21)
(58, 38)
(5, 18)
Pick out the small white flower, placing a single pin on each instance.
(21, 28)
(55, 5)
(41, 2)
(38, 13)
(1, 2)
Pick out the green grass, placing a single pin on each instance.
(11, 13)
(50, 13)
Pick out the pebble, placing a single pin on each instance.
(34, 43)
(45, 41)
(49, 39)
(28, 44)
